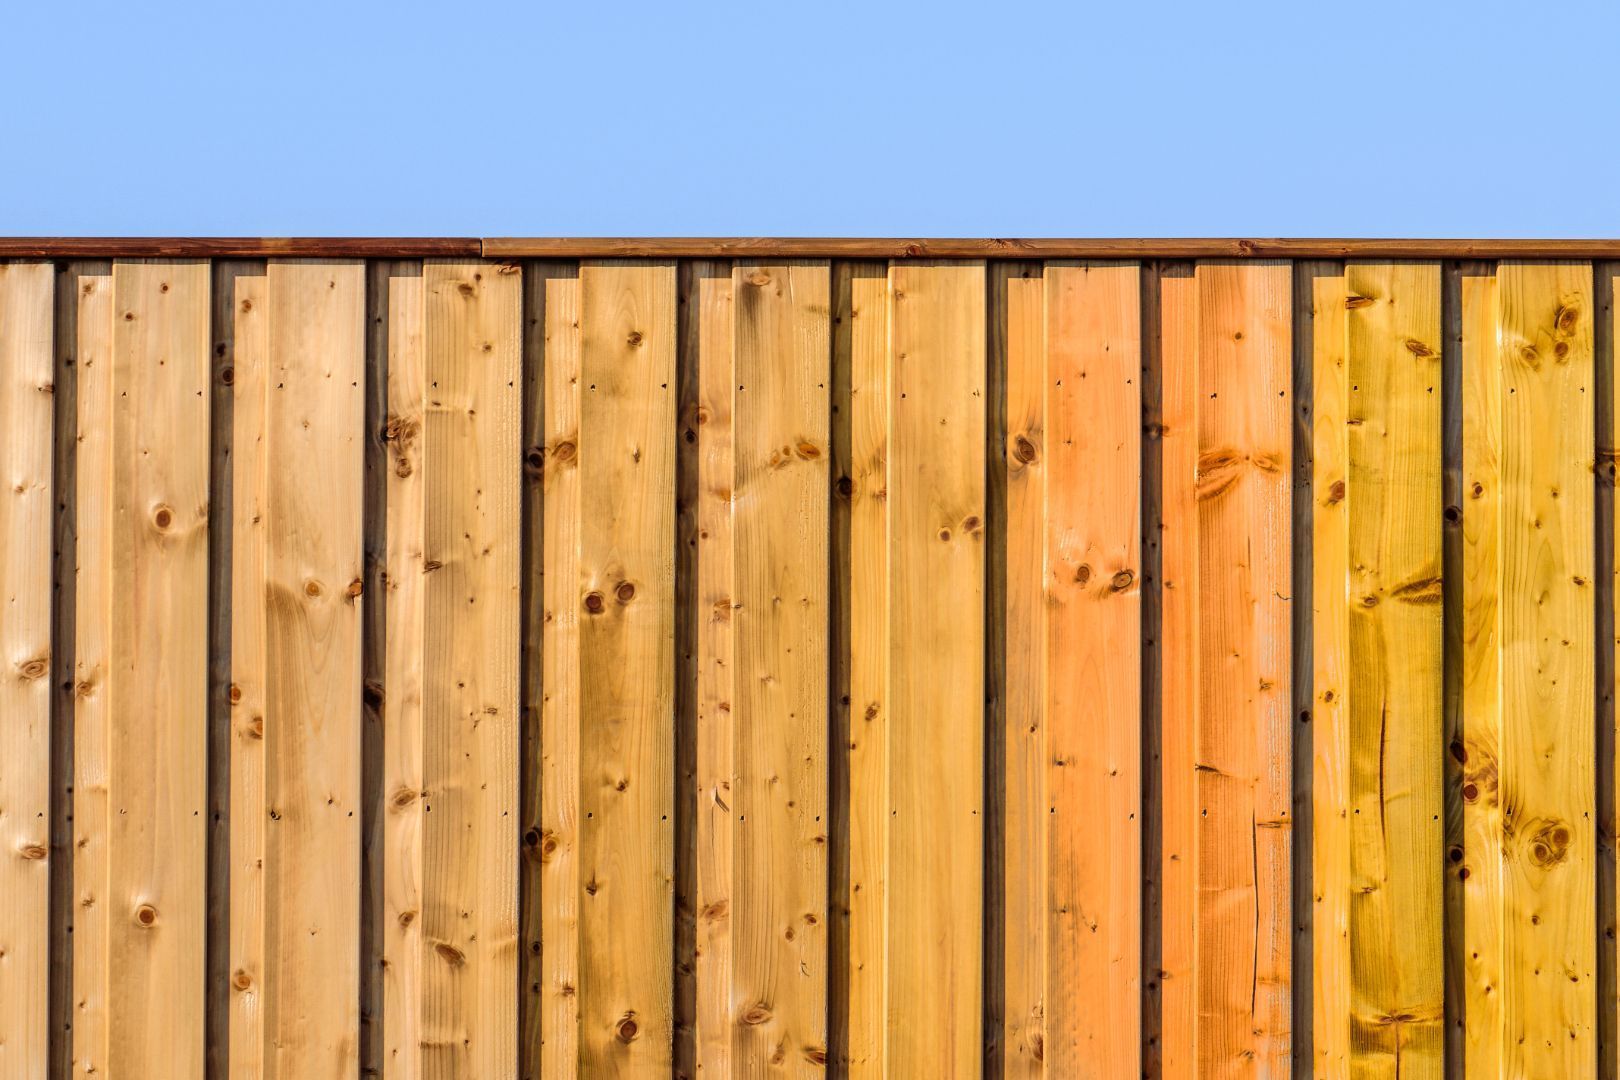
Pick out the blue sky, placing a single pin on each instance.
(811, 117)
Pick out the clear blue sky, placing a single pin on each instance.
(811, 117)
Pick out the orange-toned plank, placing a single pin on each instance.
(625, 593)
(1243, 743)
(1092, 594)
(27, 295)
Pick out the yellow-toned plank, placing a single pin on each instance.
(1546, 769)
(625, 593)
(27, 296)
(398, 301)
(715, 909)
(559, 710)
(1392, 358)
(871, 395)
(1482, 865)
(936, 504)
(1330, 629)
(1178, 671)
(1019, 295)
(1091, 593)
(779, 506)
(157, 698)
(472, 461)
(1243, 746)
(92, 658)
(295, 724)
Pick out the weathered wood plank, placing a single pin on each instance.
(1394, 667)
(935, 638)
(1019, 297)
(1090, 590)
(295, 724)
(27, 361)
(1546, 769)
(1330, 626)
(1243, 739)
(626, 593)
(157, 705)
(472, 460)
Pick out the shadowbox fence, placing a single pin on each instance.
(915, 659)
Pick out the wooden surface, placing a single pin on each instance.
(782, 663)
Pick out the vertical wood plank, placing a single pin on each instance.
(1482, 864)
(156, 711)
(870, 398)
(777, 489)
(92, 556)
(1330, 770)
(935, 640)
(1179, 672)
(626, 594)
(27, 360)
(1019, 293)
(1243, 738)
(300, 372)
(1091, 594)
(716, 661)
(560, 824)
(1394, 667)
(1546, 770)
(472, 459)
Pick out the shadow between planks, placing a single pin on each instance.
(1154, 292)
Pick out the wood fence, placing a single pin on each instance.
(895, 659)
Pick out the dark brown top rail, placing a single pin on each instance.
(58, 247)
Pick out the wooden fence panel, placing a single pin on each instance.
(299, 370)
(921, 702)
(27, 362)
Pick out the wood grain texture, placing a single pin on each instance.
(146, 508)
(624, 594)
(1394, 667)
(1482, 865)
(1330, 625)
(1243, 728)
(1546, 769)
(1091, 592)
(27, 363)
(1180, 663)
(295, 723)
(472, 462)
(1019, 298)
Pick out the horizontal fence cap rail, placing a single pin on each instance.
(673, 247)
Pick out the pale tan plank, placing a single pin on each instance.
(716, 672)
(401, 302)
(1330, 628)
(92, 673)
(1482, 867)
(560, 673)
(252, 372)
(1243, 740)
(1025, 890)
(472, 459)
(1180, 659)
(1092, 595)
(1392, 356)
(871, 396)
(157, 746)
(936, 500)
(626, 593)
(1544, 332)
(781, 486)
(27, 362)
